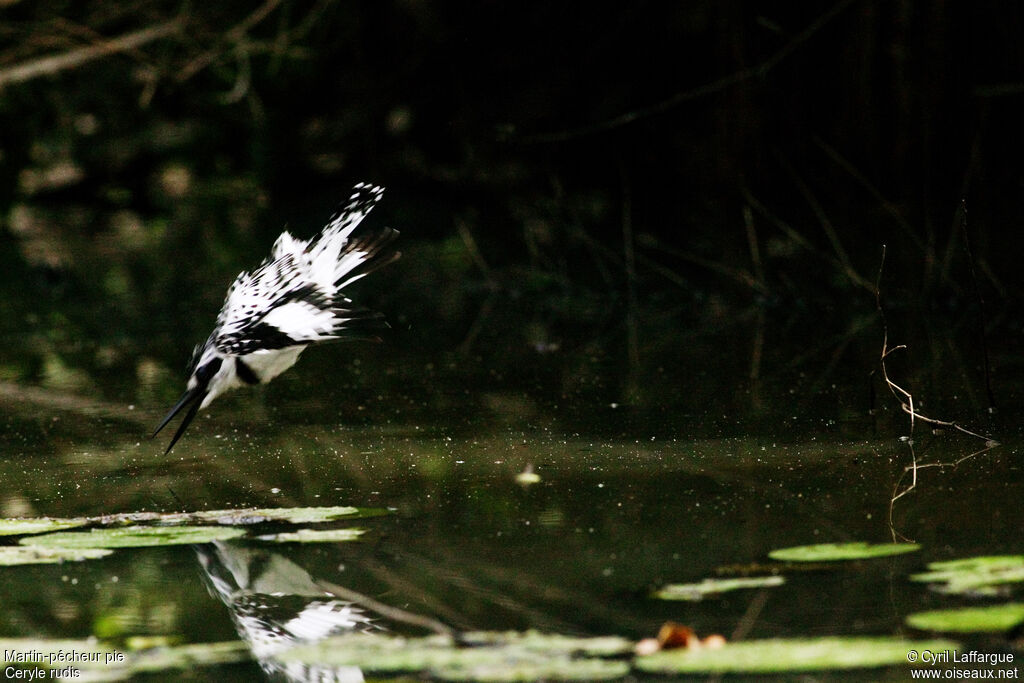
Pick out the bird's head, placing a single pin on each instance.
(202, 367)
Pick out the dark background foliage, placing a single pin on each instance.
(615, 200)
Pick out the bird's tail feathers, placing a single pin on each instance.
(362, 200)
(358, 324)
(363, 255)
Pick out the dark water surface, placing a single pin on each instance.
(579, 551)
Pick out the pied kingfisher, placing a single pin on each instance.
(277, 604)
(293, 299)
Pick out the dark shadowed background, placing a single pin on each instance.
(665, 206)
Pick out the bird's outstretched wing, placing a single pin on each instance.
(294, 297)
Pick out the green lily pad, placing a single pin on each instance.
(553, 669)
(18, 554)
(830, 552)
(995, 619)
(315, 536)
(299, 515)
(789, 655)
(38, 525)
(185, 657)
(134, 537)
(552, 643)
(698, 591)
(974, 575)
(494, 656)
(228, 517)
(148, 642)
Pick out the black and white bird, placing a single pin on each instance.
(293, 299)
(277, 604)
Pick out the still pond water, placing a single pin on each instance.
(494, 527)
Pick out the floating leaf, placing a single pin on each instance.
(830, 552)
(789, 655)
(995, 618)
(494, 656)
(300, 515)
(185, 657)
(551, 669)
(134, 537)
(38, 525)
(975, 575)
(149, 642)
(673, 635)
(19, 554)
(551, 643)
(315, 536)
(698, 591)
(228, 517)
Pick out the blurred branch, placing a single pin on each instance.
(48, 66)
(888, 206)
(474, 250)
(998, 89)
(234, 35)
(840, 261)
(759, 70)
(841, 257)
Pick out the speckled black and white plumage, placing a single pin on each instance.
(276, 605)
(293, 299)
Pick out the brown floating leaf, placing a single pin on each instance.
(676, 636)
(673, 635)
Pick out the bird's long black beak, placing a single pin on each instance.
(193, 396)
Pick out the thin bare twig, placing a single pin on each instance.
(906, 401)
(388, 611)
(905, 398)
(53, 64)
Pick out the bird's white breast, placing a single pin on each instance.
(269, 363)
(265, 364)
(223, 380)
